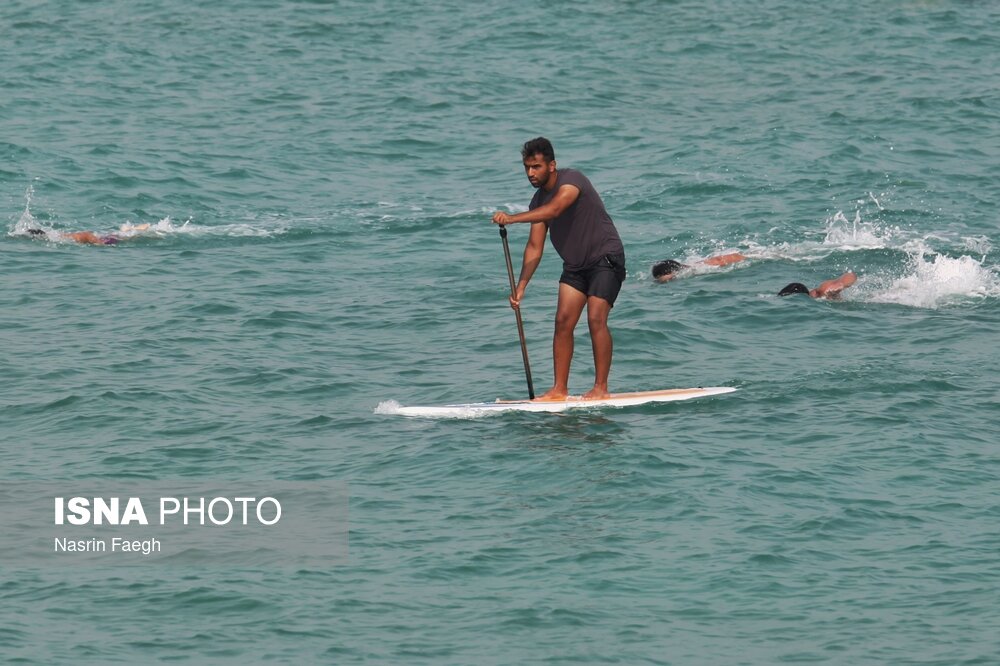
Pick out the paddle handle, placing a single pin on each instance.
(517, 312)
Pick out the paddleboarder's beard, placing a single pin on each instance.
(538, 183)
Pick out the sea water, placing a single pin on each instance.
(318, 180)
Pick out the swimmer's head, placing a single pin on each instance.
(36, 232)
(665, 270)
(794, 288)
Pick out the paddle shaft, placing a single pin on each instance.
(517, 312)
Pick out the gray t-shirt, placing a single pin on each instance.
(584, 234)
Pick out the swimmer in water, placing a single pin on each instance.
(89, 237)
(667, 270)
(830, 289)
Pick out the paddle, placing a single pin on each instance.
(517, 311)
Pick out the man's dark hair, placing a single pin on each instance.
(540, 145)
(36, 232)
(794, 288)
(667, 267)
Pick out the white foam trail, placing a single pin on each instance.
(937, 280)
(163, 228)
(806, 251)
(391, 408)
(166, 227)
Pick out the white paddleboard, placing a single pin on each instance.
(573, 402)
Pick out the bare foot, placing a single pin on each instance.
(596, 394)
(553, 395)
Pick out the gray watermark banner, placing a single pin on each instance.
(229, 524)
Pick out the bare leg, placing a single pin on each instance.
(600, 337)
(568, 310)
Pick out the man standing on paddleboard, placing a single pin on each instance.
(593, 260)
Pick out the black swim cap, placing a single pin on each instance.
(36, 232)
(794, 288)
(667, 267)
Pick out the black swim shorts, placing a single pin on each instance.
(604, 279)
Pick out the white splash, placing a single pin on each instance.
(27, 220)
(839, 235)
(934, 280)
(160, 229)
(842, 234)
(387, 407)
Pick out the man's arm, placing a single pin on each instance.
(832, 288)
(532, 257)
(85, 237)
(723, 259)
(565, 197)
